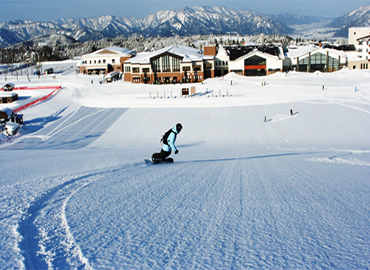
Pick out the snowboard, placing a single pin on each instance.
(167, 160)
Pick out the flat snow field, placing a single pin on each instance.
(291, 192)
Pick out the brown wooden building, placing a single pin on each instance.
(8, 97)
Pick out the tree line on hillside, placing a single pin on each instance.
(35, 51)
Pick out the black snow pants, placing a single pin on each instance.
(162, 155)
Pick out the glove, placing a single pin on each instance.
(176, 152)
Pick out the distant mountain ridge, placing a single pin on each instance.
(186, 21)
(198, 20)
(359, 17)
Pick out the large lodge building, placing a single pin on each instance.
(179, 63)
(169, 65)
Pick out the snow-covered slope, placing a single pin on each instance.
(290, 192)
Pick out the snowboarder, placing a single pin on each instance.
(168, 139)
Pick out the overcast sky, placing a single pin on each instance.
(46, 10)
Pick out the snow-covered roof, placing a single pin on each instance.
(8, 94)
(300, 51)
(188, 54)
(8, 111)
(294, 51)
(113, 50)
(235, 52)
(8, 84)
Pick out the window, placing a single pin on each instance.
(208, 66)
(94, 61)
(90, 61)
(113, 61)
(197, 67)
(145, 70)
(127, 68)
(99, 61)
(186, 68)
(176, 64)
(104, 61)
(166, 66)
(156, 65)
(135, 70)
(255, 61)
(360, 42)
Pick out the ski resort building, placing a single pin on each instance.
(248, 60)
(169, 65)
(311, 58)
(7, 97)
(105, 60)
(8, 87)
(360, 38)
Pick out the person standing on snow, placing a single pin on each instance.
(168, 139)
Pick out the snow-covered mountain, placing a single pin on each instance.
(359, 17)
(186, 21)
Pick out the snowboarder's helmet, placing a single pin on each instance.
(178, 127)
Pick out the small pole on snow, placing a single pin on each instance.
(150, 94)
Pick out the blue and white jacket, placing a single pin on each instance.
(171, 141)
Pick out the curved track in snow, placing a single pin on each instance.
(233, 213)
(47, 240)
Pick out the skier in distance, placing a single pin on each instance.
(168, 139)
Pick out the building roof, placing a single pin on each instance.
(234, 52)
(8, 94)
(298, 51)
(8, 85)
(8, 111)
(303, 51)
(365, 37)
(188, 54)
(112, 50)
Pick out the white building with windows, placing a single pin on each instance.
(105, 60)
(360, 38)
